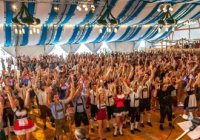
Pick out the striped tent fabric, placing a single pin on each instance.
(138, 20)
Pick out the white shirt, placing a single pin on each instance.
(93, 97)
(134, 99)
(110, 100)
(144, 90)
(41, 95)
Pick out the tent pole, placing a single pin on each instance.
(189, 36)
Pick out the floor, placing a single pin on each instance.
(148, 133)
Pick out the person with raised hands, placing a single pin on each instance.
(190, 102)
(119, 112)
(110, 104)
(79, 103)
(101, 113)
(163, 92)
(23, 126)
(145, 95)
(57, 107)
(93, 104)
(134, 105)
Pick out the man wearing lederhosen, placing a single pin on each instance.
(93, 106)
(79, 103)
(134, 108)
(165, 101)
(145, 97)
(110, 105)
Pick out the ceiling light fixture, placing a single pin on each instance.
(23, 17)
(87, 5)
(167, 20)
(108, 20)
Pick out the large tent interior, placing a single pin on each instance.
(105, 26)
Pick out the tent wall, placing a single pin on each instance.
(32, 51)
(124, 47)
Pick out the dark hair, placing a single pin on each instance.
(21, 103)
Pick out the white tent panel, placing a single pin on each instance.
(94, 34)
(31, 51)
(195, 34)
(119, 33)
(83, 49)
(33, 38)
(124, 47)
(145, 12)
(66, 34)
(94, 47)
(78, 17)
(141, 32)
(43, 10)
(2, 12)
(2, 37)
(191, 14)
(180, 34)
(104, 48)
(120, 5)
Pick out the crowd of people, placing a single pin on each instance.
(112, 90)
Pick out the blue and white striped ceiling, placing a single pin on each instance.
(55, 29)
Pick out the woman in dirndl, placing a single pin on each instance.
(101, 113)
(23, 126)
(190, 103)
(119, 111)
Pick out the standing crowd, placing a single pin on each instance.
(115, 90)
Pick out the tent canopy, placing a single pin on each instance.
(137, 22)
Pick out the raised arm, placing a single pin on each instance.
(1, 112)
(27, 99)
(128, 90)
(153, 70)
(10, 98)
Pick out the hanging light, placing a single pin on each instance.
(87, 5)
(56, 8)
(14, 7)
(23, 31)
(167, 18)
(109, 21)
(20, 32)
(100, 30)
(84, 5)
(86, 9)
(16, 31)
(92, 6)
(31, 32)
(165, 9)
(159, 10)
(78, 8)
(38, 30)
(171, 8)
(23, 17)
(115, 30)
(1, 26)
(166, 29)
(34, 30)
